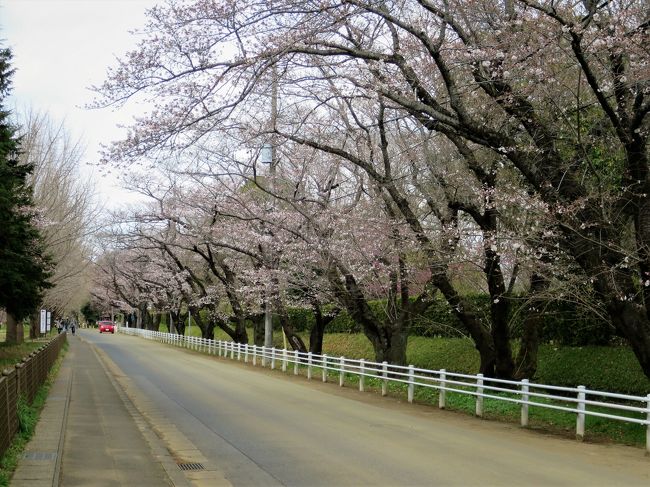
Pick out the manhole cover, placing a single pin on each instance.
(39, 455)
(190, 466)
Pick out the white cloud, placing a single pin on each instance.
(61, 48)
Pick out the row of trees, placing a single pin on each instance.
(418, 149)
(45, 216)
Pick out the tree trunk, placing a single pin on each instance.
(206, 326)
(499, 302)
(155, 324)
(34, 325)
(14, 330)
(293, 338)
(318, 330)
(526, 362)
(504, 364)
(632, 321)
(258, 329)
(396, 353)
(483, 341)
(316, 337)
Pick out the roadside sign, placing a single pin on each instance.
(44, 321)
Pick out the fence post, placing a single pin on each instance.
(19, 378)
(238, 351)
(232, 350)
(479, 395)
(362, 374)
(284, 360)
(384, 384)
(647, 430)
(524, 405)
(580, 422)
(246, 353)
(309, 355)
(342, 371)
(273, 358)
(263, 355)
(296, 356)
(254, 355)
(10, 413)
(5, 381)
(443, 392)
(411, 389)
(324, 369)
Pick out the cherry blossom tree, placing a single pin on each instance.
(554, 91)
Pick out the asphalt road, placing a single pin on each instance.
(264, 428)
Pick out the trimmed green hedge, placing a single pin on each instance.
(605, 368)
(564, 323)
(612, 368)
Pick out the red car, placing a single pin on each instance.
(106, 326)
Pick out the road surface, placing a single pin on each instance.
(261, 427)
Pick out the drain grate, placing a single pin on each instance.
(38, 455)
(190, 466)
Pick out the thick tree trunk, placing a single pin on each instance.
(396, 352)
(504, 364)
(14, 330)
(389, 342)
(632, 321)
(499, 313)
(237, 333)
(483, 341)
(258, 329)
(526, 362)
(318, 330)
(177, 322)
(316, 337)
(206, 326)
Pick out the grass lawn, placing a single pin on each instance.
(12, 354)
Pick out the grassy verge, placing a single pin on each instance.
(11, 354)
(28, 417)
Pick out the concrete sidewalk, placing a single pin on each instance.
(89, 433)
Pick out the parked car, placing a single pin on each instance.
(106, 326)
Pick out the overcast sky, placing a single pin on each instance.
(60, 48)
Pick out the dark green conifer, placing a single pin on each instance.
(24, 265)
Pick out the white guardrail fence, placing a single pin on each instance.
(578, 400)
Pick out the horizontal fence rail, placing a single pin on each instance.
(578, 400)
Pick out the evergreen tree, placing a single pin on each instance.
(24, 265)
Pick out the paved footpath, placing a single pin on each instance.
(90, 433)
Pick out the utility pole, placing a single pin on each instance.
(268, 314)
